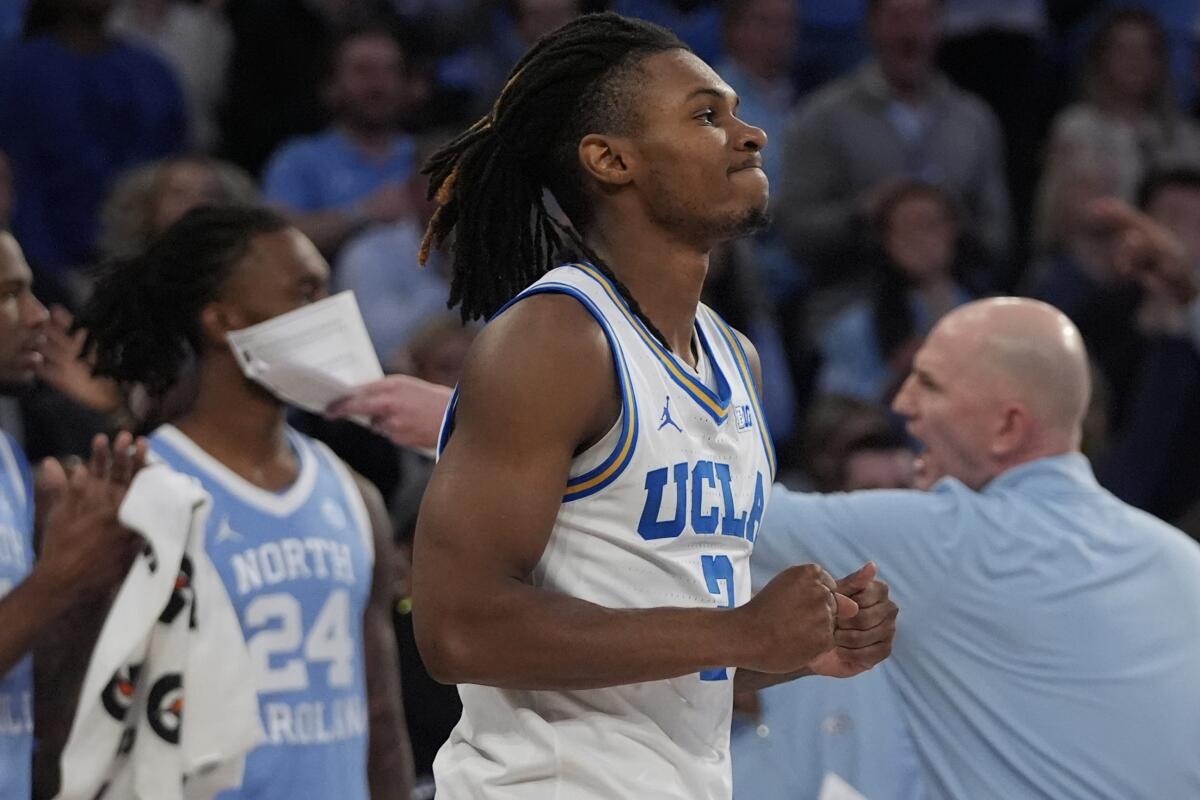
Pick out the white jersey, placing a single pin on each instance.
(662, 511)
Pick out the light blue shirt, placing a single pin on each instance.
(16, 560)
(1048, 643)
(814, 726)
(397, 296)
(326, 171)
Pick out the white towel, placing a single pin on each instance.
(172, 635)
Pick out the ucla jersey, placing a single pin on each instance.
(298, 566)
(16, 560)
(662, 511)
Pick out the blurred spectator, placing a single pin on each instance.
(193, 38)
(334, 183)
(12, 19)
(76, 107)
(1127, 114)
(480, 71)
(697, 22)
(1001, 52)
(760, 52)
(147, 199)
(1076, 271)
(280, 56)
(7, 192)
(894, 117)
(920, 272)
(831, 428)
(144, 202)
(1152, 463)
(831, 40)
(395, 293)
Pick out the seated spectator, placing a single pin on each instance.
(351, 175)
(832, 426)
(77, 107)
(1128, 113)
(481, 70)
(196, 41)
(895, 117)
(146, 200)
(1076, 273)
(697, 22)
(760, 51)
(920, 273)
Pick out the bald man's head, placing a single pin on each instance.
(997, 383)
(1024, 350)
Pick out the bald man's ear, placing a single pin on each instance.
(1013, 432)
(606, 159)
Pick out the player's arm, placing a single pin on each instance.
(390, 759)
(538, 387)
(84, 551)
(864, 639)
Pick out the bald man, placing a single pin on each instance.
(1051, 633)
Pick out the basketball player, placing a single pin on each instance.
(301, 544)
(83, 552)
(581, 561)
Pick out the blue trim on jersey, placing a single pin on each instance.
(447, 423)
(715, 404)
(743, 364)
(610, 469)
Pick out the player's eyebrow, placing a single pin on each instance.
(711, 91)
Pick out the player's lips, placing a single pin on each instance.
(753, 162)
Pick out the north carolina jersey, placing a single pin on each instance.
(16, 560)
(662, 511)
(298, 566)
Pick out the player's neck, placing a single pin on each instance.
(665, 276)
(240, 425)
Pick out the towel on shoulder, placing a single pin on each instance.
(166, 711)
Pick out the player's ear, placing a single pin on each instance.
(609, 160)
(216, 320)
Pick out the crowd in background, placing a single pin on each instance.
(922, 153)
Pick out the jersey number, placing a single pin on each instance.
(718, 570)
(271, 649)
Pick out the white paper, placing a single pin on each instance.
(312, 356)
(835, 787)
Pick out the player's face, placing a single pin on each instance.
(282, 272)
(22, 317)
(949, 411)
(700, 166)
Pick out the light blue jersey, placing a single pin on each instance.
(298, 566)
(1048, 644)
(16, 560)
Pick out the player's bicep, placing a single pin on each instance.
(539, 384)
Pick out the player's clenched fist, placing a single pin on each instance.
(792, 620)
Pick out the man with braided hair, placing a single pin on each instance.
(579, 569)
(301, 544)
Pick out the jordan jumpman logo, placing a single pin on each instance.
(666, 420)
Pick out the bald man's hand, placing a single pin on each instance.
(865, 639)
(1146, 250)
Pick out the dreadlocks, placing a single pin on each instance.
(143, 318)
(490, 181)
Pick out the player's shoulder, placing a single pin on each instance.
(739, 341)
(543, 363)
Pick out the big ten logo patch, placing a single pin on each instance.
(743, 418)
(183, 595)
